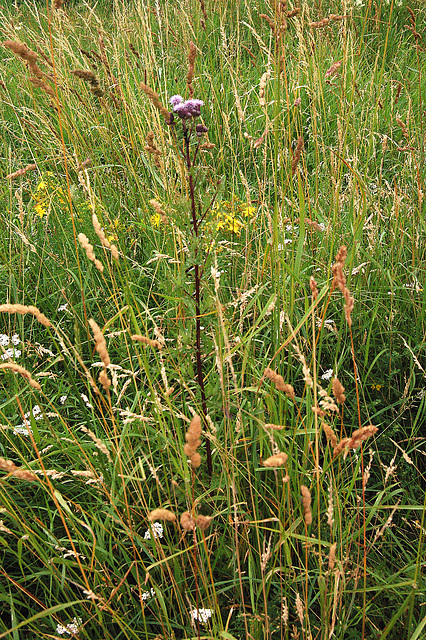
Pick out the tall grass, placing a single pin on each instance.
(262, 281)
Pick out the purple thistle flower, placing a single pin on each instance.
(189, 109)
(175, 100)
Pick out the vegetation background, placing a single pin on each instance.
(212, 342)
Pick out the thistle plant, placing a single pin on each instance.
(185, 130)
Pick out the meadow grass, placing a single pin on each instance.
(212, 401)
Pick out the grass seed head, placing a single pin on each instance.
(162, 514)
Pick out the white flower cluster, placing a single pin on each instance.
(24, 428)
(157, 531)
(148, 594)
(11, 352)
(202, 615)
(71, 629)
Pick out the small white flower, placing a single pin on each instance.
(157, 531)
(72, 628)
(36, 410)
(22, 429)
(63, 307)
(15, 339)
(148, 594)
(201, 614)
(62, 399)
(327, 374)
(4, 340)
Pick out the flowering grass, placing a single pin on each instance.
(212, 320)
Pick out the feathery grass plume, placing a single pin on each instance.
(152, 343)
(84, 165)
(155, 99)
(18, 472)
(318, 25)
(193, 441)
(191, 60)
(262, 86)
(21, 172)
(331, 71)
(159, 211)
(339, 280)
(343, 445)
(313, 286)
(26, 374)
(299, 608)
(102, 237)
(330, 435)
(104, 380)
(187, 521)
(275, 427)
(203, 522)
(30, 57)
(280, 385)
(151, 148)
(204, 12)
(306, 504)
(41, 84)
(99, 444)
(332, 556)
(91, 79)
(21, 50)
(101, 347)
(360, 435)
(338, 390)
(296, 157)
(162, 514)
(84, 241)
(277, 460)
(22, 309)
(306, 373)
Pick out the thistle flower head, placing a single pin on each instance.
(188, 109)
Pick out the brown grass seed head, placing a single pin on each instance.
(338, 390)
(162, 514)
(306, 503)
(26, 374)
(277, 460)
(23, 309)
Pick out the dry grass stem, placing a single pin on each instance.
(23, 309)
(102, 237)
(161, 514)
(306, 503)
(277, 460)
(26, 374)
(84, 241)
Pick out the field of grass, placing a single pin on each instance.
(212, 323)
